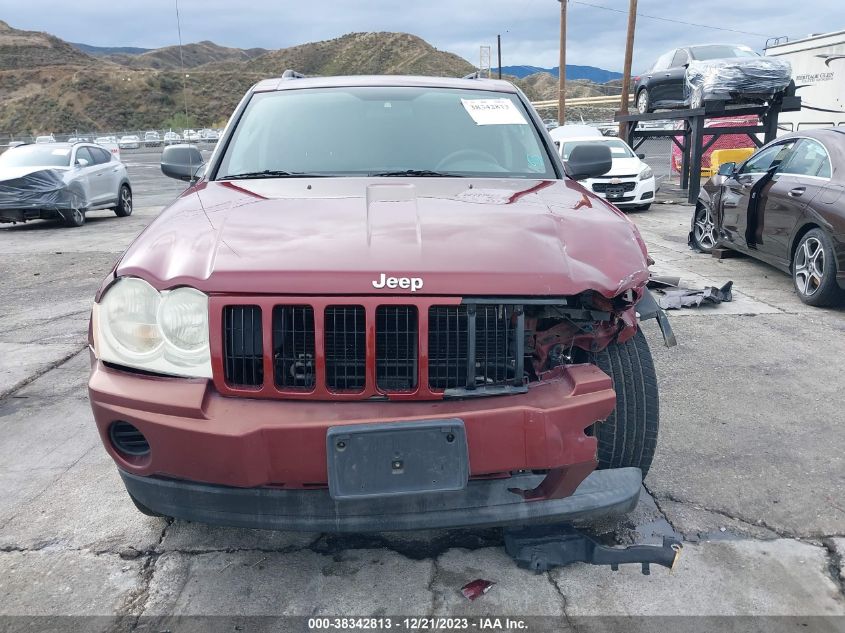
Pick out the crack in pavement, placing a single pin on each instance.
(557, 588)
(759, 523)
(141, 597)
(834, 565)
(435, 574)
(30, 379)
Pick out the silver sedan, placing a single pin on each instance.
(61, 180)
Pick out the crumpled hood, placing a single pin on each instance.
(337, 236)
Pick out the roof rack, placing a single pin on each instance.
(292, 74)
(475, 75)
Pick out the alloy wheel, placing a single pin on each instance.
(705, 230)
(809, 266)
(642, 102)
(126, 200)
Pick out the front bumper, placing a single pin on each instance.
(480, 504)
(197, 435)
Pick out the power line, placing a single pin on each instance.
(655, 17)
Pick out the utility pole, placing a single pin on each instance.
(626, 71)
(561, 97)
(499, 52)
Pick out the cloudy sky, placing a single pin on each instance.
(529, 28)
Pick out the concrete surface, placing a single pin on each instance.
(749, 470)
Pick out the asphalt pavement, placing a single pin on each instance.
(749, 472)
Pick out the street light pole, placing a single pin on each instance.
(626, 72)
(499, 52)
(561, 96)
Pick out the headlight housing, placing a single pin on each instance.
(646, 173)
(162, 332)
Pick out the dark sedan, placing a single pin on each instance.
(785, 205)
(720, 70)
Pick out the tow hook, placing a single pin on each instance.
(543, 547)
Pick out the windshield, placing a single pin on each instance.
(360, 131)
(618, 149)
(721, 51)
(36, 156)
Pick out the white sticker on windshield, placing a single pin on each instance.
(493, 112)
(60, 152)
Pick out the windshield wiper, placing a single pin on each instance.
(270, 173)
(416, 172)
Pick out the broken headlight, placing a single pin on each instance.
(137, 326)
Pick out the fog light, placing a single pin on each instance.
(127, 439)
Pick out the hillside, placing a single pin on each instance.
(590, 73)
(48, 85)
(102, 51)
(192, 56)
(32, 49)
(364, 54)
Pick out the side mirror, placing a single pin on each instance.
(727, 169)
(588, 161)
(182, 162)
(82, 162)
(640, 156)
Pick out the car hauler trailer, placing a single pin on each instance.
(818, 69)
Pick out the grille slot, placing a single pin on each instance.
(396, 348)
(346, 348)
(495, 345)
(447, 347)
(128, 439)
(243, 355)
(601, 187)
(293, 347)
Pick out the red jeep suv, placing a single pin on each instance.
(383, 303)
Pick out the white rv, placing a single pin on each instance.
(818, 69)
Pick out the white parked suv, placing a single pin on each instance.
(630, 182)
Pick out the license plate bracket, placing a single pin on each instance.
(614, 191)
(397, 458)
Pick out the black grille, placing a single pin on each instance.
(447, 347)
(293, 347)
(495, 344)
(396, 348)
(243, 360)
(346, 348)
(128, 439)
(601, 187)
(475, 346)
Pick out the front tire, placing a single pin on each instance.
(74, 216)
(644, 102)
(703, 236)
(814, 270)
(629, 435)
(124, 202)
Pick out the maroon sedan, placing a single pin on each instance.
(382, 304)
(785, 205)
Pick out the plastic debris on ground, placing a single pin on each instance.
(476, 588)
(672, 296)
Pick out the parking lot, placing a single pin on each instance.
(749, 471)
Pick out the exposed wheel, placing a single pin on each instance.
(145, 510)
(629, 436)
(75, 215)
(124, 202)
(704, 229)
(644, 102)
(814, 270)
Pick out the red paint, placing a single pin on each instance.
(528, 238)
(197, 434)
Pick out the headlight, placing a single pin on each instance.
(167, 332)
(646, 173)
